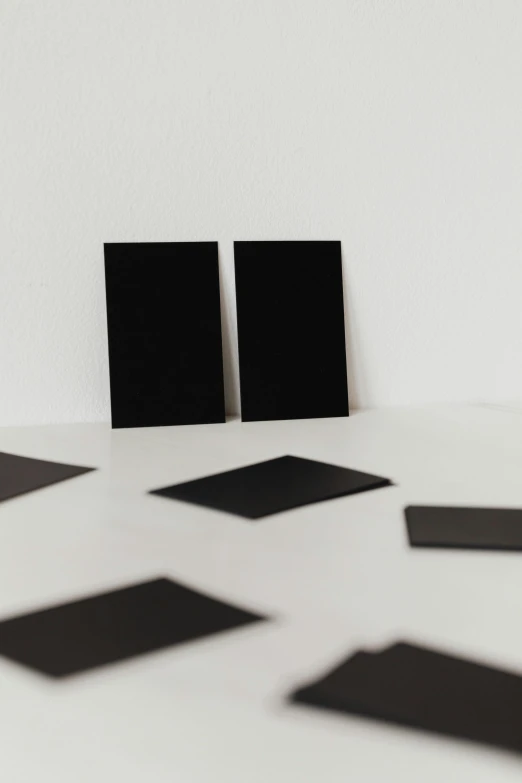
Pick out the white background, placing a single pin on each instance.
(393, 126)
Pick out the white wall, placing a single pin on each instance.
(393, 125)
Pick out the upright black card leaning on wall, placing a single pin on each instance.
(164, 326)
(292, 355)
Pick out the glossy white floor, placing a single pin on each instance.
(335, 576)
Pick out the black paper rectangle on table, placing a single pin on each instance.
(275, 485)
(114, 626)
(291, 332)
(424, 689)
(19, 475)
(164, 328)
(464, 528)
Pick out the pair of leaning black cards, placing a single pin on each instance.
(165, 343)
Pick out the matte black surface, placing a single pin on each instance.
(164, 326)
(276, 485)
(424, 689)
(111, 627)
(19, 475)
(290, 312)
(464, 528)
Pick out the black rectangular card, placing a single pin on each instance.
(464, 528)
(275, 485)
(114, 626)
(424, 689)
(290, 314)
(19, 475)
(164, 328)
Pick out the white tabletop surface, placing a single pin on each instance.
(336, 576)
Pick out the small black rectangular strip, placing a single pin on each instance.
(464, 528)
